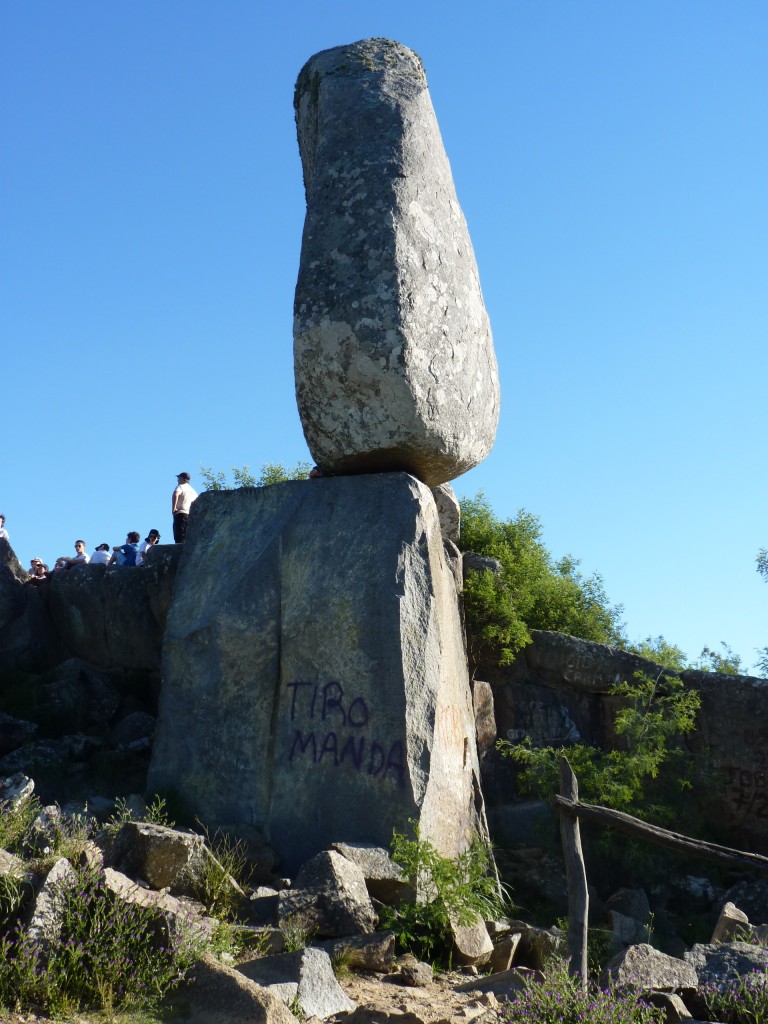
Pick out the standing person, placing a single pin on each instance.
(183, 497)
(152, 538)
(3, 531)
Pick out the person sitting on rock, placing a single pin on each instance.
(37, 569)
(101, 555)
(81, 558)
(3, 531)
(126, 553)
(152, 538)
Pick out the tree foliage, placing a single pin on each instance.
(654, 714)
(532, 589)
(271, 473)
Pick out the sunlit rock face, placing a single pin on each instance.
(394, 360)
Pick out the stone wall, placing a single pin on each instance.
(557, 692)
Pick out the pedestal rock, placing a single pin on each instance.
(393, 355)
(314, 676)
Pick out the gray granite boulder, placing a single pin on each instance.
(644, 967)
(314, 677)
(394, 360)
(329, 897)
(222, 995)
(383, 878)
(305, 976)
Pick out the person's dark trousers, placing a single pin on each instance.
(180, 520)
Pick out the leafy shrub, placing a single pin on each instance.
(532, 591)
(107, 956)
(215, 875)
(16, 824)
(446, 890)
(740, 1001)
(271, 473)
(655, 714)
(560, 999)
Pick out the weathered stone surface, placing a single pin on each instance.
(644, 967)
(221, 995)
(472, 941)
(383, 878)
(306, 975)
(342, 904)
(731, 922)
(328, 652)
(485, 718)
(448, 512)
(375, 952)
(46, 921)
(14, 789)
(631, 903)
(673, 1006)
(163, 857)
(114, 617)
(394, 360)
(416, 974)
(558, 691)
(503, 955)
(176, 913)
(726, 961)
(537, 945)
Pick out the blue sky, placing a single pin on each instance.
(611, 163)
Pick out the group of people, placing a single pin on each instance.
(133, 552)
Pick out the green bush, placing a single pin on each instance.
(271, 473)
(445, 891)
(559, 999)
(655, 714)
(740, 1001)
(108, 956)
(533, 590)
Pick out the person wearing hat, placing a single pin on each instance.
(37, 569)
(3, 531)
(152, 538)
(183, 497)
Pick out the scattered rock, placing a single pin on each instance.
(221, 995)
(374, 952)
(472, 941)
(383, 878)
(416, 974)
(306, 974)
(644, 967)
(731, 922)
(503, 954)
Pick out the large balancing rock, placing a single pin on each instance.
(393, 354)
(314, 676)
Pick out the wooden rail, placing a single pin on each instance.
(571, 810)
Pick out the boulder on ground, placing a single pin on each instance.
(328, 651)
(732, 922)
(383, 878)
(221, 995)
(393, 355)
(329, 896)
(374, 952)
(164, 857)
(472, 941)
(644, 967)
(306, 976)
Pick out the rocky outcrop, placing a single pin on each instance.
(557, 692)
(331, 698)
(393, 355)
(112, 618)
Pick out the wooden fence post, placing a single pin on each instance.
(576, 874)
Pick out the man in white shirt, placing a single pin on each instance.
(3, 531)
(81, 557)
(152, 538)
(183, 497)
